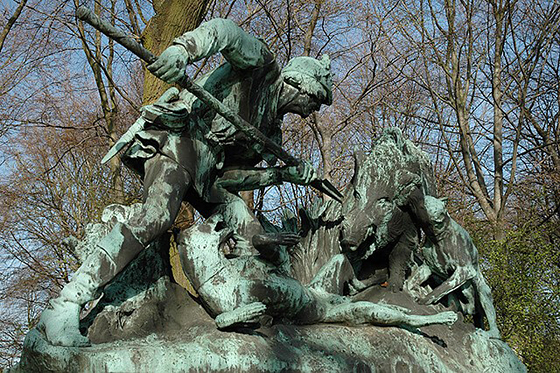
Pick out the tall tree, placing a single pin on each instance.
(172, 18)
(470, 62)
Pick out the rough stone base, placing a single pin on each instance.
(164, 330)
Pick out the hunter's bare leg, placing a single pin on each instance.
(165, 185)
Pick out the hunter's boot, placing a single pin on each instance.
(60, 321)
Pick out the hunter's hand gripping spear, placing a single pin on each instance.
(242, 125)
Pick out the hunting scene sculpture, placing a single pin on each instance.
(382, 254)
(186, 151)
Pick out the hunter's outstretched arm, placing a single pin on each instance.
(239, 48)
(236, 180)
(222, 35)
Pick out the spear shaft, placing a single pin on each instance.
(206, 97)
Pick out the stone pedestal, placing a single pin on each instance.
(163, 330)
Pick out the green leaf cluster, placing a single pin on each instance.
(523, 271)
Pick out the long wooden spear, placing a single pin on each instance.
(203, 95)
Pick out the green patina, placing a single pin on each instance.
(291, 275)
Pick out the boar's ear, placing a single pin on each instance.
(359, 158)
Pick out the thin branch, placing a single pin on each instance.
(10, 23)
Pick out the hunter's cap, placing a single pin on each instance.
(311, 76)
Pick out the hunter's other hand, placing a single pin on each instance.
(170, 65)
(303, 174)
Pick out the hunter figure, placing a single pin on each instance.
(184, 147)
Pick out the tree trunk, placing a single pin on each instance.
(172, 18)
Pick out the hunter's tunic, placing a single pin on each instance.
(248, 83)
